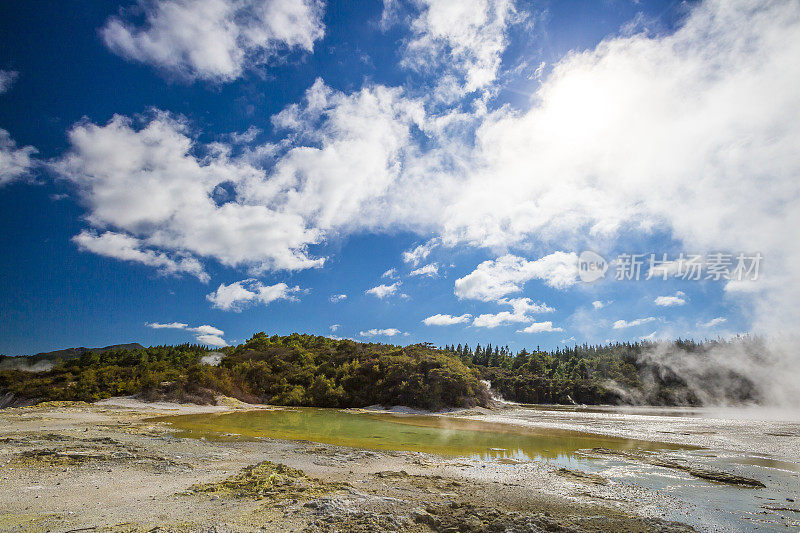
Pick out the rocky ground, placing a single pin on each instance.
(108, 467)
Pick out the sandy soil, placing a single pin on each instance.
(107, 467)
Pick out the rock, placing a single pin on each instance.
(583, 477)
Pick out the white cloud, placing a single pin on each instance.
(157, 184)
(686, 133)
(148, 183)
(620, 324)
(207, 330)
(446, 320)
(170, 325)
(15, 163)
(205, 334)
(541, 327)
(126, 248)
(215, 40)
(691, 133)
(522, 308)
(336, 298)
(389, 332)
(211, 340)
(7, 79)
(507, 274)
(431, 270)
(383, 290)
(335, 327)
(461, 41)
(599, 304)
(419, 253)
(713, 322)
(391, 273)
(240, 294)
(670, 301)
(497, 319)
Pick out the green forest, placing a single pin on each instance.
(301, 370)
(307, 370)
(618, 373)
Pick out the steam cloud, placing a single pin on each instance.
(212, 358)
(739, 372)
(22, 363)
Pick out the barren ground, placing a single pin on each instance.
(106, 467)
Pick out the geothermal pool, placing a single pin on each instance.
(430, 434)
(764, 446)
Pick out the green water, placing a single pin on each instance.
(379, 431)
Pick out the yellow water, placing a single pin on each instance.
(378, 431)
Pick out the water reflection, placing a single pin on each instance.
(430, 434)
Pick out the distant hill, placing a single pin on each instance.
(45, 360)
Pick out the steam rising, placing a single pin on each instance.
(212, 358)
(743, 371)
(23, 363)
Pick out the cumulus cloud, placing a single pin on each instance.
(541, 327)
(206, 330)
(388, 332)
(391, 273)
(599, 304)
(686, 132)
(419, 253)
(430, 270)
(463, 41)
(336, 298)
(669, 301)
(15, 162)
(691, 133)
(205, 334)
(522, 308)
(494, 279)
(215, 40)
(713, 322)
(335, 327)
(154, 182)
(621, 324)
(126, 248)
(383, 290)
(240, 294)
(7, 79)
(446, 320)
(211, 340)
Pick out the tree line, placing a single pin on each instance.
(308, 370)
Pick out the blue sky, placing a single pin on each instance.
(173, 170)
